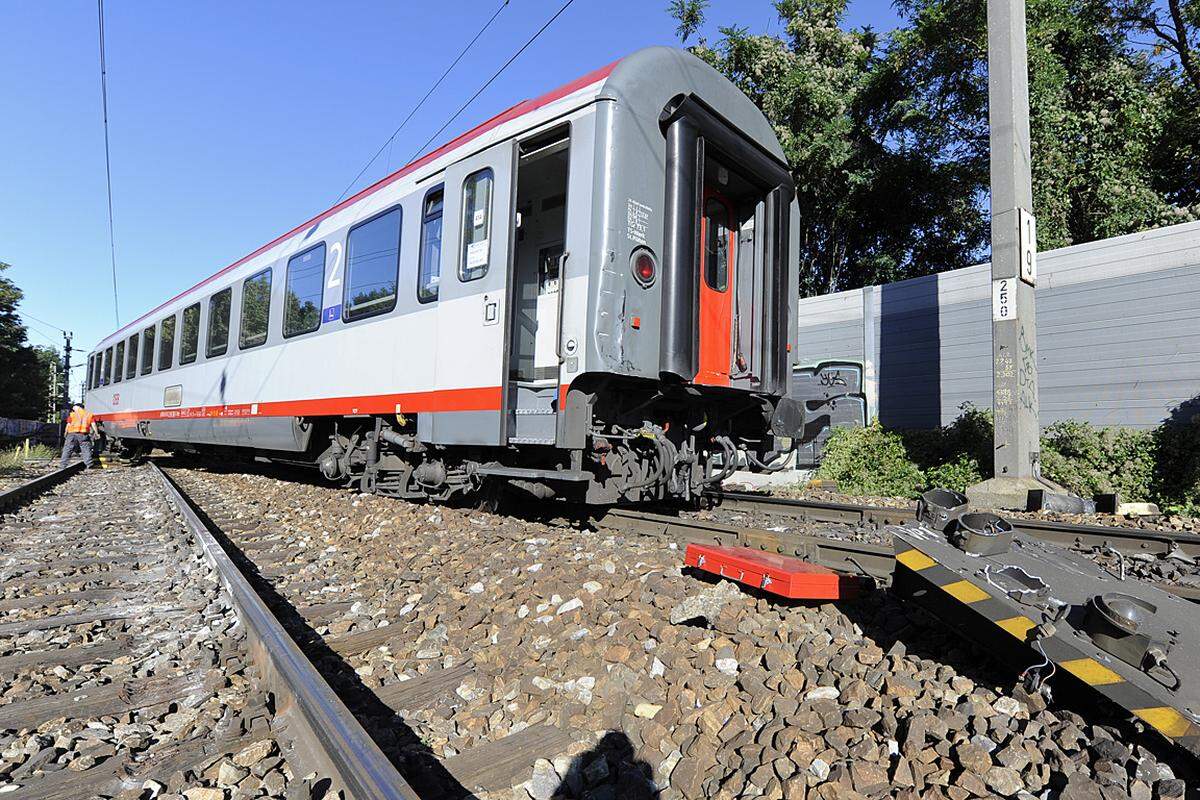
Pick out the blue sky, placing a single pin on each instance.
(232, 122)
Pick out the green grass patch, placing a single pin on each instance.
(13, 459)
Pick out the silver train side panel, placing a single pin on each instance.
(284, 434)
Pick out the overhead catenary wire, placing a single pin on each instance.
(45, 336)
(421, 102)
(112, 244)
(27, 315)
(489, 81)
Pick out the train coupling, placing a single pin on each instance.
(1055, 613)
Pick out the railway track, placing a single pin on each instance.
(323, 730)
(875, 559)
(473, 629)
(1129, 541)
(16, 495)
(136, 661)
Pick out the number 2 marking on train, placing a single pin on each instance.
(335, 274)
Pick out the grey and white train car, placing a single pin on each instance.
(590, 295)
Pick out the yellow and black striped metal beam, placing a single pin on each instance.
(1096, 669)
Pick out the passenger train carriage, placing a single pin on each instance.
(591, 296)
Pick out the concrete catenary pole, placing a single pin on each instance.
(1014, 265)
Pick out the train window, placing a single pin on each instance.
(716, 244)
(430, 268)
(131, 355)
(148, 350)
(256, 309)
(189, 340)
(166, 343)
(218, 323)
(305, 284)
(119, 362)
(91, 369)
(372, 266)
(105, 371)
(476, 225)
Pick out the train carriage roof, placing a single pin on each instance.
(644, 82)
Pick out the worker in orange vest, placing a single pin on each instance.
(78, 434)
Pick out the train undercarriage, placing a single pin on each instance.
(623, 442)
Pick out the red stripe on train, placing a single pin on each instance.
(476, 399)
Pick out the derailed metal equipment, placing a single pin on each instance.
(940, 508)
(1056, 612)
(785, 576)
(983, 534)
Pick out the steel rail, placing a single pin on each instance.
(12, 498)
(844, 555)
(876, 560)
(1128, 541)
(324, 732)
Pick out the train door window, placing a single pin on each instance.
(131, 358)
(372, 266)
(716, 244)
(119, 362)
(476, 225)
(305, 283)
(148, 350)
(106, 370)
(91, 369)
(430, 268)
(166, 342)
(256, 310)
(218, 323)
(189, 339)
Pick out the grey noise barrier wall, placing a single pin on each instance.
(1118, 335)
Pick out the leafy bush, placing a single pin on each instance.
(958, 474)
(1176, 481)
(967, 439)
(1088, 460)
(1160, 465)
(870, 460)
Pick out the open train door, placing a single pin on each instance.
(473, 293)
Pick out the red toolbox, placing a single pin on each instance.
(785, 576)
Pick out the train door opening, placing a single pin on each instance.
(540, 249)
(725, 266)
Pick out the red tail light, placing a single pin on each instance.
(644, 267)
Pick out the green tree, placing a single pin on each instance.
(22, 392)
(888, 137)
(1098, 110)
(874, 206)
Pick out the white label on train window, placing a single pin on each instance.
(478, 218)
(1004, 299)
(335, 273)
(477, 254)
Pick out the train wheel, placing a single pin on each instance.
(491, 496)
